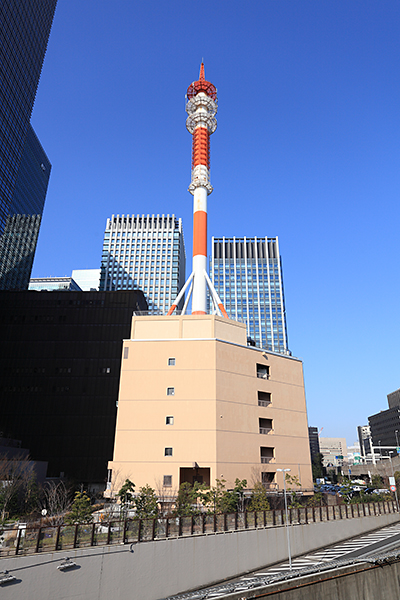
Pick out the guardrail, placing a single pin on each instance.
(26, 540)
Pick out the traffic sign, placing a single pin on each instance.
(392, 488)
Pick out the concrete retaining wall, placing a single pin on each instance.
(154, 570)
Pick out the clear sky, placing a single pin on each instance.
(307, 149)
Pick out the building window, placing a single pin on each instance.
(171, 362)
(267, 454)
(170, 391)
(167, 451)
(264, 398)
(126, 352)
(265, 425)
(267, 479)
(262, 371)
(169, 420)
(167, 481)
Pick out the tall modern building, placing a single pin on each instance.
(247, 275)
(145, 252)
(19, 238)
(24, 33)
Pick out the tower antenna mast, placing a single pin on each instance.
(201, 107)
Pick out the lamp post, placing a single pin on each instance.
(284, 471)
(380, 450)
(397, 439)
(391, 465)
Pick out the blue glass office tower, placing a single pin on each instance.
(19, 238)
(247, 275)
(24, 33)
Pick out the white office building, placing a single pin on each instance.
(87, 279)
(145, 252)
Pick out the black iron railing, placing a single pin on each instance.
(25, 540)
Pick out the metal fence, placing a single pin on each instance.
(29, 540)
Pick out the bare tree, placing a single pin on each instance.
(256, 476)
(15, 474)
(166, 498)
(57, 499)
(112, 509)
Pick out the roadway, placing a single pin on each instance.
(376, 542)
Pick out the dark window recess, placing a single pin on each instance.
(169, 420)
(170, 391)
(264, 398)
(167, 481)
(262, 371)
(267, 454)
(167, 451)
(126, 352)
(171, 362)
(265, 425)
(267, 478)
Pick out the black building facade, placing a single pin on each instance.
(314, 442)
(24, 34)
(385, 429)
(59, 375)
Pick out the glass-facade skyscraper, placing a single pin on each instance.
(247, 275)
(20, 235)
(145, 252)
(24, 33)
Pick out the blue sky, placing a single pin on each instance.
(307, 148)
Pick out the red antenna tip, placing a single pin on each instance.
(202, 75)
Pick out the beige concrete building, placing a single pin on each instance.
(333, 449)
(196, 404)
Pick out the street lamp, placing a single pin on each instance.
(397, 439)
(391, 464)
(284, 471)
(380, 450)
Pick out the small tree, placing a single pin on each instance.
(126, 495)
(318, 469)
(81, 510)
(292, 482)
(186, 500)
(259, 499)
(219, 500)
(146, 503)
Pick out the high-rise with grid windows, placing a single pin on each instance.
(145, 252)
(247, 275)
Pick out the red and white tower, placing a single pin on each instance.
(201, 106)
